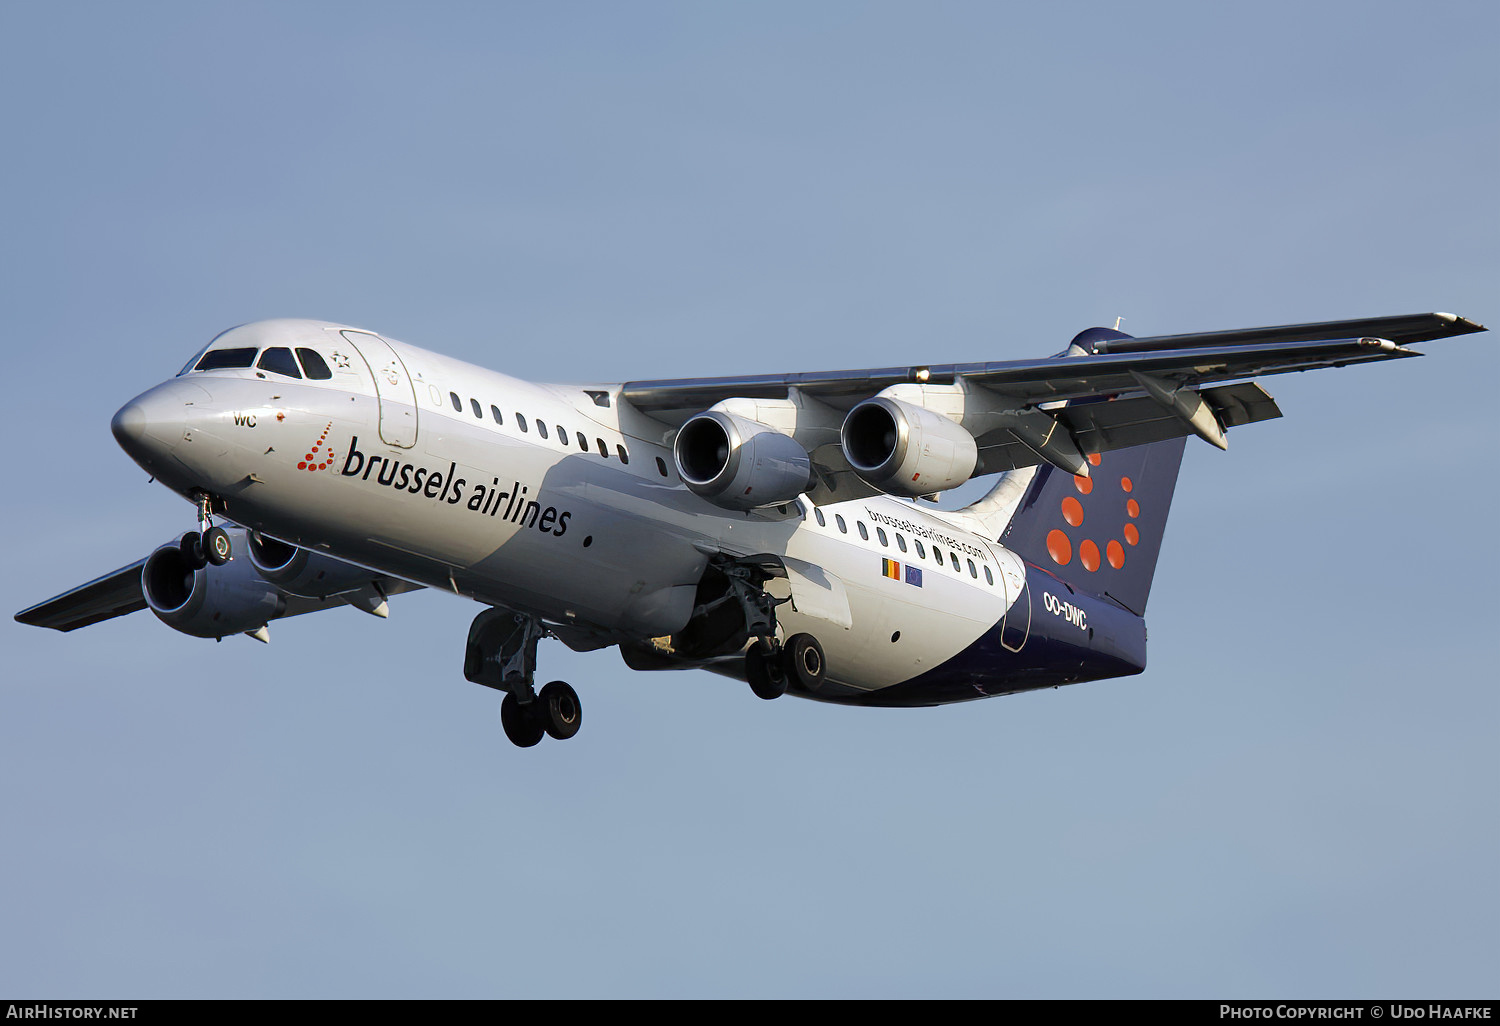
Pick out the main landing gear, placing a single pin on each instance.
(209, 544)
(501, 654)
(772, 667)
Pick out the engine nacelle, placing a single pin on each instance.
(738, 463)
(213, 602)
(905, 450)
(299, 571)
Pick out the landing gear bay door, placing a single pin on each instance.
(817, 593)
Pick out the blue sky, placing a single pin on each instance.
(1299, 798)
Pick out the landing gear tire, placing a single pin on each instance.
(191, 547)
(217, 547)
(803, 661)
(766, 674)
(522, 727)
(561, 712)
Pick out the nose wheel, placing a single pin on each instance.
(209, 544)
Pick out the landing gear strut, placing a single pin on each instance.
(501, 654)
(210, 544)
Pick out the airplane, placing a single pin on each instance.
(775, 529)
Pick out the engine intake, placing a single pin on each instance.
(906, 450)
(301, 572)
(739, 463)
(213, 602)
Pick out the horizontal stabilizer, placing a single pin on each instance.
(1105, 427)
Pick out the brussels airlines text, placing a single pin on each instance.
(486, 500)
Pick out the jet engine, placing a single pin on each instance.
(738, 463)
(907, 450)
(299, 571)
(213, 602)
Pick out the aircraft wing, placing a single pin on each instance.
(1181, 360)
(119, 593)
(103, 598)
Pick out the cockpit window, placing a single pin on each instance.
(314, 365)
(220, 359)
(278, 360)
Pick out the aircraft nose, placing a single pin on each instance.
(129, 426)
(150, 426)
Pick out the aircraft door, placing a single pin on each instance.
(393, 388)
(1017, 625)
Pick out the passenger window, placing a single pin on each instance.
(279, 361)
(478, 410)
(313, 365)
(562, 435)
(495, 413)
(921, 549)
(937, 554)
(989, 578)
(973, 570)
(838, 519)
(458, 404)
(822, 522)
(954, 557)
(225, 359)
(900, 542)
(541, 427)
(880, 533)
(521, 423)
(583, 443)
(603, 449)
(862, 532)
(662, 467)
(624, 455)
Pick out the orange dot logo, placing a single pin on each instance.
(1115, 553)
(1059, 548)
(312, 463)
(1088, 555)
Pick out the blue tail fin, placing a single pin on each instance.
(1100, 534)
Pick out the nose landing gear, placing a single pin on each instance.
(209, 544)
(501, 654)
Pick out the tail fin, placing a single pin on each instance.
(1101, 533)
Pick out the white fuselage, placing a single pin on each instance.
(566, 505)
